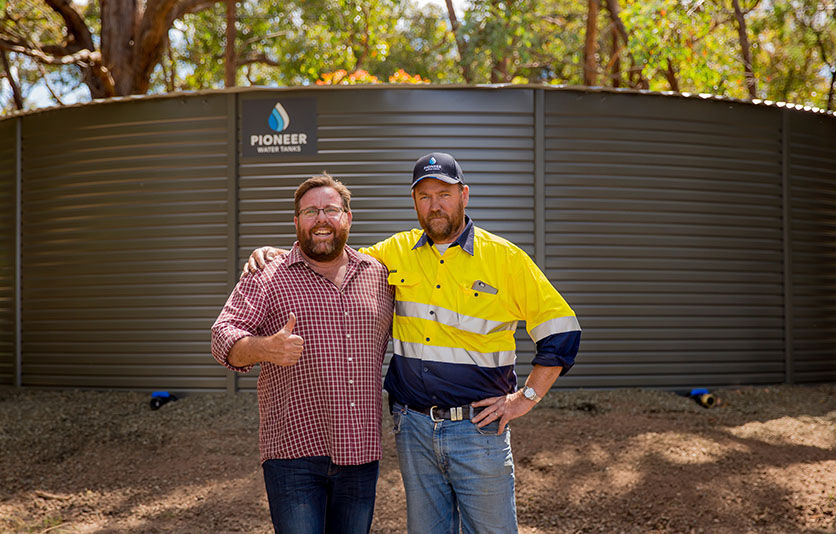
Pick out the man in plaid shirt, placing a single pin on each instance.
(318, 323)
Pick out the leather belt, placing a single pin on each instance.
(456, 413)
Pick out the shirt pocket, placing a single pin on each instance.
(480, 299)
(407, 285)
(402, 279)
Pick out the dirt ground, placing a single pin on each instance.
(762, 460)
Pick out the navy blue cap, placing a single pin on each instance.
(440, 166)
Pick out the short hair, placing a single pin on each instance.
(322, 180)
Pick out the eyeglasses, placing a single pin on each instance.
(332, 212)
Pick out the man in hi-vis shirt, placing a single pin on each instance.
(459, 293)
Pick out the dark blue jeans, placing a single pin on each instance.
(314, 496)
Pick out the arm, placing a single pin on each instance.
(513, 405)
(260, 257)
(282, 348)
(234, 341)
(553, 327)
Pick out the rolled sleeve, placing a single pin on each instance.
(242, 316)
(558, 350)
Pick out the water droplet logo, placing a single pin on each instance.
(432, 161)
(279, 119)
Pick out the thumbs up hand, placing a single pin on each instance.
(284, 347)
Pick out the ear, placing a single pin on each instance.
(296, 222)
(350, 218)
(465, 195)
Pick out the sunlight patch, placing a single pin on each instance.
(684, 449)
(800, 430)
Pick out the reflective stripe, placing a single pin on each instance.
(447, 317)
(453, 354)
(555, 326)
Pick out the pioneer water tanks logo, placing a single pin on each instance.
(279, 121)
(278, 127)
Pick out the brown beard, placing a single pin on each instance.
(327, 251)
(443, 229)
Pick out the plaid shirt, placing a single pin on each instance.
(329, 402)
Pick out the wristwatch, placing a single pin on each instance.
(530, 394)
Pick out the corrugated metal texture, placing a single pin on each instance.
(812, 169)
(125, 244)
(370, 139)
(8, 170)
(663, 229)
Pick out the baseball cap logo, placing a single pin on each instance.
(432, 161)
(279, 119)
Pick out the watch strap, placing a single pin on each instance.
(531, 394)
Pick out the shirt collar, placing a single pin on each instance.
(465, 239)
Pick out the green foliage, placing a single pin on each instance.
(305, 38)
(689, 44)
(690, 37)
(795, 51)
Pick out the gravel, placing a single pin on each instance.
(763, 459)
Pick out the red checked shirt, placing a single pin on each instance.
(329, 402)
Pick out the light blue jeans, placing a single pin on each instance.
(455, 475)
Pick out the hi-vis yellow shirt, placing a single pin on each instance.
(456, 314)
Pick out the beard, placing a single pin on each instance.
(319, 250)
(441, 226)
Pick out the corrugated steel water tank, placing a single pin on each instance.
(124, 243)
(8, 215)
(695, 238)
(664, 219)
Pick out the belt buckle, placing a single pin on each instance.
(432, 415)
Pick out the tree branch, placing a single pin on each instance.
(48, 86)
(185, 7)
(615, 15)
(460, 44)
(77, 31)
(157, 19)
(256, 57)
(264, 37)
(229, 57)
(83, 57)
(18, 98)
(87, 60)
(670, 74)
(751, 83)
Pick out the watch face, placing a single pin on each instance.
(529, 393)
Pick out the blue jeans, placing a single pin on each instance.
(314, 496)
(455, 475)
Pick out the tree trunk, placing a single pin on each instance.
(670, 74)
(615, 60)
(590, 49)
(18, 98)
(118, 42)
(229, 64)
(500, 71)
(745, 52)
(133, 39)
(460, 44)
(635, 70)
